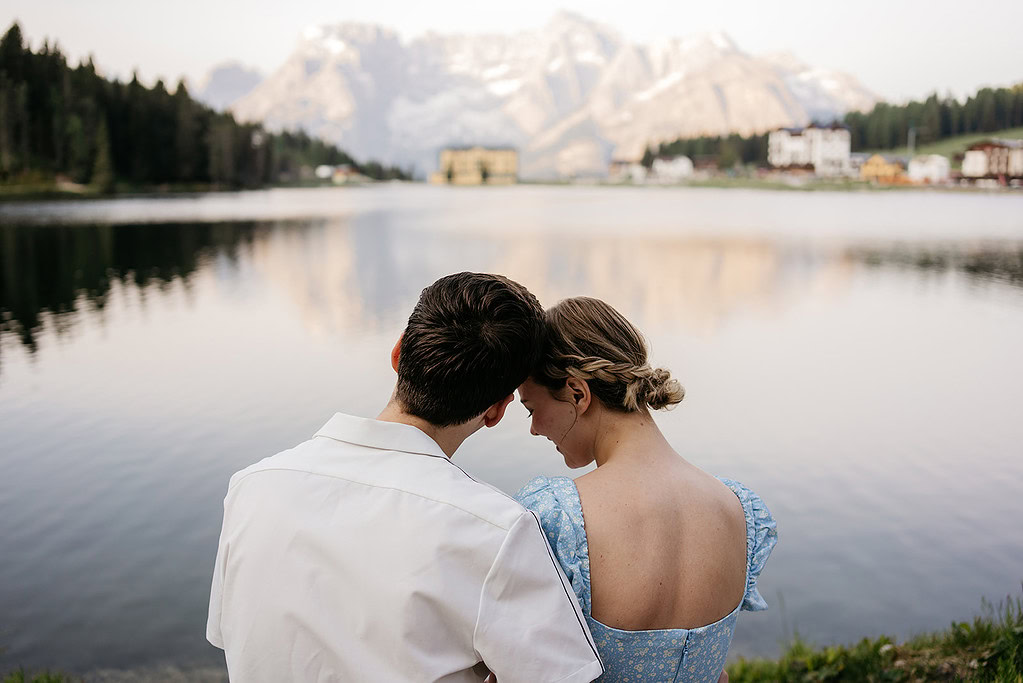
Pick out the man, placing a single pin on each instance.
(365, 554)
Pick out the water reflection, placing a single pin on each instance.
(862, 405)
(55, 272)
(361, 274)
(995, 262)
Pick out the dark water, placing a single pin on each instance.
(855, 358)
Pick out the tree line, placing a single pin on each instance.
(56, 120)
(68, 269)
(725, 150)
(886, 126)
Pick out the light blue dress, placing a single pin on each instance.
(690, 655)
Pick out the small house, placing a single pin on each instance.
(672, 169)
(883, 169)
(928, 169)
(994, 158)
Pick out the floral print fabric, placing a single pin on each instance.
(688, 655)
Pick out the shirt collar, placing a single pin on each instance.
(391, 436)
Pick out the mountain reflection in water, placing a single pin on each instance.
(354, 274)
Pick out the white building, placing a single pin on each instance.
(994, 158)
(341, 174)
(672, 169)
(975, 163)
(824, 148)
(928, 168)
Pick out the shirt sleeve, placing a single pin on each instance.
(556, 503)
(530, 628)
(213, 633)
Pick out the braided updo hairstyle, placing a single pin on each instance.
(587, 339)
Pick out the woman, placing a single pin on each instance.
(662, 556)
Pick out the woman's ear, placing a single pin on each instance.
(578, 393)
(396, 352)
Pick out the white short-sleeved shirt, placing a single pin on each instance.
(365, 554)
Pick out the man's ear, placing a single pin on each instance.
(496, 411)
(396, 352)
(579, 395)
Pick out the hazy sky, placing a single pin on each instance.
(898, 48)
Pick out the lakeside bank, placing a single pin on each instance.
(989, 648)
(26, 193)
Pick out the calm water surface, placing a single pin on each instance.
(854, 358)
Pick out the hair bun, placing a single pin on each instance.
(661, 390)
(589, 340)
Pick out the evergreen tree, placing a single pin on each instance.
(79, 153)
(648, 158)
(929, 128)
(987, 114)
(103, 171)
(186, 135)
(6, 127)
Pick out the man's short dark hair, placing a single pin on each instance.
(471, 339)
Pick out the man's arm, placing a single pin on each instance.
(530, 628)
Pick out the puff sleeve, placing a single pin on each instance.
(761, 537)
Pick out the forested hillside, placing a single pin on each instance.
(59, 122)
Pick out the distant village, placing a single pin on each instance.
(795, 156)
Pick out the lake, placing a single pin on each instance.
(853, 357)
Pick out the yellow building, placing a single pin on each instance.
(882, 170)
(477, 166)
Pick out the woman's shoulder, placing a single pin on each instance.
(555, 501)
(546, 488)
(761, 537)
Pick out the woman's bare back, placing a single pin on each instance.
(667, 545)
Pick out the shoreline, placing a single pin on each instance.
(40, 193)
(988, 648)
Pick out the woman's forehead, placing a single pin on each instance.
(528, 389)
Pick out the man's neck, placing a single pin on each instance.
(448, 438)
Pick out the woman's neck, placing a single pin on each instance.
(623, 437)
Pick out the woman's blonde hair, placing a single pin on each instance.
(587, 339)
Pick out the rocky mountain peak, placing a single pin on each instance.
(569, 96)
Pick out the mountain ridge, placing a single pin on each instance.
(570, 96)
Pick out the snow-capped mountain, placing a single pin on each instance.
(822, 92)
(570, 96)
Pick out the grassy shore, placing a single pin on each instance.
(21, 676)
(990, 648)
(51, 191)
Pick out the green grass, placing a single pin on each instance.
(990, 648)
(950, 147)
(20, 676)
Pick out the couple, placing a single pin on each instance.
(365, 554)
